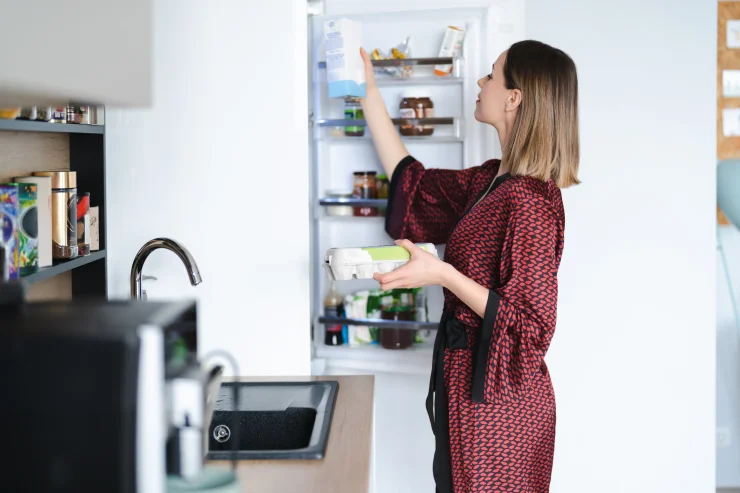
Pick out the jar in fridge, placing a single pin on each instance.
(353, 111)
(412, 107)
(426, 108)
(365, 187)
(397, 338)
(339, 210)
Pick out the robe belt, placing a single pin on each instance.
(451, 334)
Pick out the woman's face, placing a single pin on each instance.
(493, 103)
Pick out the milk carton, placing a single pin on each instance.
(345, 71)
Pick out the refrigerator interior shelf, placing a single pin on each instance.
(432, 139)
(433, 80)
(373, 358)
(404, 62)
(396, 121)
(354, 202)
(383, 324)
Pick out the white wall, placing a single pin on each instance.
(220, 163)
(634, 357)
(633, 360)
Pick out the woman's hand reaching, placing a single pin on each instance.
(369, 71)
(423, 269)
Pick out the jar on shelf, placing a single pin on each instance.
(339, 210)
(365, 187)
(412, 107)
(79, 114)
(28, 113)
(58, 114)
(353, 111)
(43, 113)
(407, 109)
(396, 338)
(426, 108)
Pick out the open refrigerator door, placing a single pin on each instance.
(426, 64)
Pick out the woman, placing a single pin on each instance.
(491, 400)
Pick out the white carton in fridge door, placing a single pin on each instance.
(452, 45)
(343, 264)
(345, 70)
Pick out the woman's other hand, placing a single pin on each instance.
(422, 269)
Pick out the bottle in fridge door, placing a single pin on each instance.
(333, 307)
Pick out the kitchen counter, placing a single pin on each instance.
(346, 465)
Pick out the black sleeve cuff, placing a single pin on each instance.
(480, 356)
(392, 190)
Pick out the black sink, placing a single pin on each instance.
(281, 420)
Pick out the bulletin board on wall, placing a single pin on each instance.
(728, 84)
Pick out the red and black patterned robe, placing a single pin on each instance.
(491, 401)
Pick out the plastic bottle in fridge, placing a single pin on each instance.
(333, 307)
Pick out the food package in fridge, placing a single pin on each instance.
(345, 70)
(452, 45)
(362, 262)
(399, 52)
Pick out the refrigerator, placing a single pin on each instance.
(403, 443)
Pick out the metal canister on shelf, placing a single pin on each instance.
(339, 210)
(83, 224)
(63, 212)
(28, 229)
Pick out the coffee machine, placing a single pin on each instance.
(101, 395)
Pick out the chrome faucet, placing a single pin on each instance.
(167, 244)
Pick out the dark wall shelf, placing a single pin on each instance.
(61, 266)
(65, 128)
(87, 158)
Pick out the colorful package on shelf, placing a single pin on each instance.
(399, 52)
(43, 211)
(9, 113)
(9, 233)
(356, 307)
(345, 70)
(452, 46)
(28, 226)
(370, 305)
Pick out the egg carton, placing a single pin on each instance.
(343, 264)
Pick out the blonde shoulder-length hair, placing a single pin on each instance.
(544, 139)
